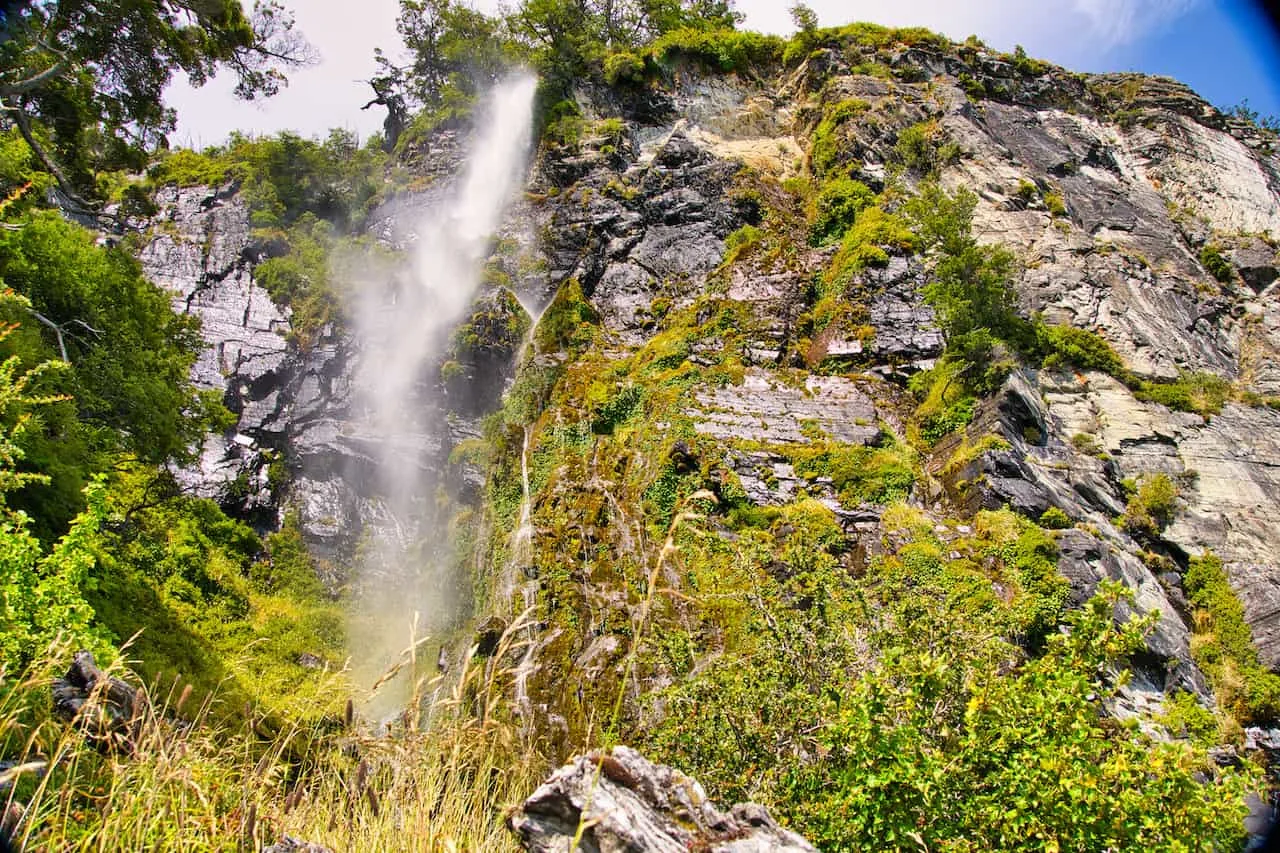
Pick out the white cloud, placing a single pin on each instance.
(1076, 33)
(1126, 21)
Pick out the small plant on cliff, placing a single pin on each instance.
(1218, 266)
(1152, 506)
(1223, 646)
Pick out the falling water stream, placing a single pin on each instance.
(404, 584)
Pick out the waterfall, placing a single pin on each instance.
(404, 589)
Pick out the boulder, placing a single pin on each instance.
(624, 802)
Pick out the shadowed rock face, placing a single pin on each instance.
(626, 802)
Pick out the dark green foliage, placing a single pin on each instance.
(1218, 266)
(1244, 112)
(1068, 346)
(721, 50)
(129, 356)
(1024, 64)
(96, 82)
(1223, 645)
(863, 36)
(970, 287)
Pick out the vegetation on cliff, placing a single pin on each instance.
(879, 667)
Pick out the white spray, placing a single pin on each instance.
(404, 590)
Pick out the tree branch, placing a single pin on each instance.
(33, 82)
(57, 330)
(24, 127)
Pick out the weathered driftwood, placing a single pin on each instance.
(109, 711)
(621, 801)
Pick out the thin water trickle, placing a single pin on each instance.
(403, 326)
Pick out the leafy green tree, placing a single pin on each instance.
(125, 386)
(40, 593)
(455, 51)
(84, 81)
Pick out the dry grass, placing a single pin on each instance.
(442, 784)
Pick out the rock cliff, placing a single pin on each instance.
(1133, 209)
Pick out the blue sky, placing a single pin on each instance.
(1226, 51)
(1221, 48)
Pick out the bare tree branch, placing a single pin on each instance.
(60, 331)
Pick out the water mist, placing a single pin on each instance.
(405, 588)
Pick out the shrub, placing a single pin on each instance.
(1201, 392)
(1054, 518)
(1218, 266)
(1054, 204)
(826, 147)
(877, 475)
(868, 243)
(623, 67)
(1152, 505)
(918, 758)
(1223, 645)
(836, 208)
(720, 49)
(1064, 346)
(919, 147)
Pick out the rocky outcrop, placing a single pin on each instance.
(621, 801)
(201, 251)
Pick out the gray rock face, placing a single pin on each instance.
(201, 252)
(625, 802)
(653, 228)
(1229, 468)
(766, 410)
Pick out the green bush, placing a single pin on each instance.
(1054, 518)
(921, 149)
(1054, 204)
(1223, 645)
(720, 49)
(623, 67)
(876, 475)
(826, 148)
(1152, 506)
(1068, 346)
(1218, 266)
(836, 208)
(1200, 392)
(867, 243)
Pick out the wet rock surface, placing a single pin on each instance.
(624, 802)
